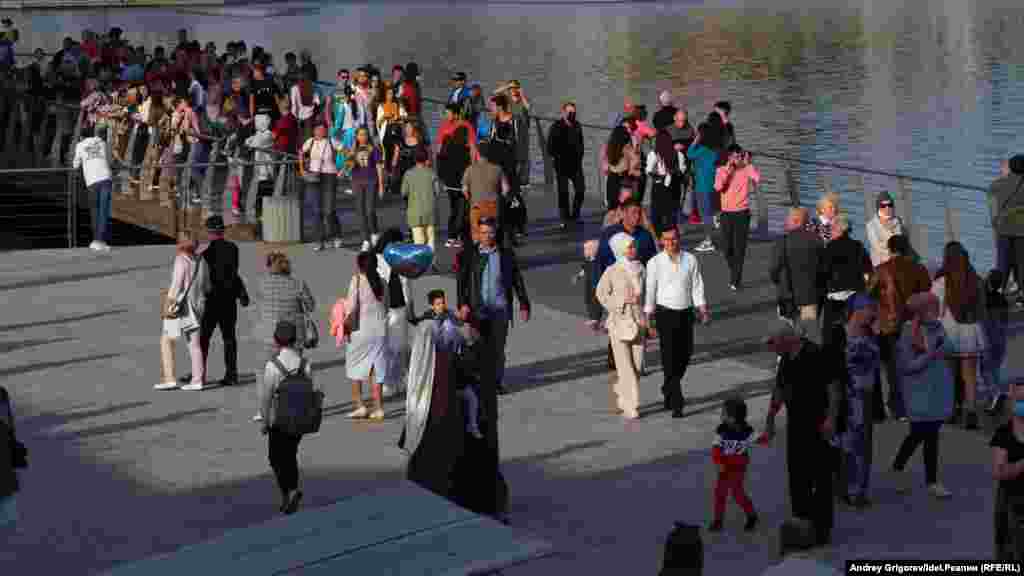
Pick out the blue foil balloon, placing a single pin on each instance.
(409, 260)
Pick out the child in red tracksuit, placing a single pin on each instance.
(731, 454)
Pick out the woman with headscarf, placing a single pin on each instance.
(621, 292)
(928, 388)
(366, 357)
(400, 311)
(962, 294)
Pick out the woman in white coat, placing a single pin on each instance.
(400, 311)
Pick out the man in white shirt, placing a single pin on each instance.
(675, 289)
(91, 157)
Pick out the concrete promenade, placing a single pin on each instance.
(120, 472)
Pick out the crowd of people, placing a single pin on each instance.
(869, 332)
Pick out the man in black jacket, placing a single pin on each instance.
(565, 146)
(221, 305)
(796, 273)
(488, 281)
(812, 408)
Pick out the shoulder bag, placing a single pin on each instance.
(179, 306)
(312, 331)
(625, 327)
(352, 320)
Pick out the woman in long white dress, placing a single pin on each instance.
(366, 357)
(400, 310)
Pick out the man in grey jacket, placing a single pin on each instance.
(1006, 208)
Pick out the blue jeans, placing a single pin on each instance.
(706, 205)
(99, 210)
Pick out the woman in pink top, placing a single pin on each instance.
(732, 181)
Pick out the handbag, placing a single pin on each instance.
(625, 326)
(179, 307)
(312, 331)
(352, 320)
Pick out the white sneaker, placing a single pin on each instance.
(360, 412)
(166, 386)
(103, 247)
(337, 243)
(348, 191)
(94, 246)
(374, 238)
(257, 418)
(718, 221)
(705, 246)
(365, 247)
(192, 387)
(939, 491)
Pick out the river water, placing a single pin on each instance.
(928, 88)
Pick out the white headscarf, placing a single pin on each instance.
(665, 98)
(620, 244)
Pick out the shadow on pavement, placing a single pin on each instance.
(63, 320)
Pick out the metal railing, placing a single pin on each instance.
(17, 110)
(781, 174)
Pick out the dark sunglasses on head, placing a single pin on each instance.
(886, 205)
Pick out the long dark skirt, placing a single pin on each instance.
(441, 447)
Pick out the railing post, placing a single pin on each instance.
(549, 176)
(790, 183)
(952, 224)
(208, 180)
(76, 137)
(905, 206)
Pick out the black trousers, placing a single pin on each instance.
(457, 214)
(662, 208)
(735, 232)
(893, 375)
(1015, 258)
(675, 330)
(283, 452)
(811, 463)
(223, 314)
(613, 185)
(926, 433)
(570, 212)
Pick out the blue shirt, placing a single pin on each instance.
(645, 247)
(704, 159)
(484, 125)
(492, 293)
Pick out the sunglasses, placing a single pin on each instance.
(886, 205)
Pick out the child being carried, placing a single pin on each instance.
(457, 337)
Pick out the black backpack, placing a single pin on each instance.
(298, 405)
(684, 552)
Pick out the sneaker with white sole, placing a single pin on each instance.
(337, 243)
(360, 412)
(103, 247)
(705, 246)
(377, 414)
(166, 386)
(348, 192)
(365, 247)
(257, 418)
(939, 491)
(94, 246)
(192, 387)
(374, 238)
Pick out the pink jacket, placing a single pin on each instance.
(339, 313)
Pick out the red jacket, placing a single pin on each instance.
(286, 134)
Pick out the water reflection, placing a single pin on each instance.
(931, 88)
